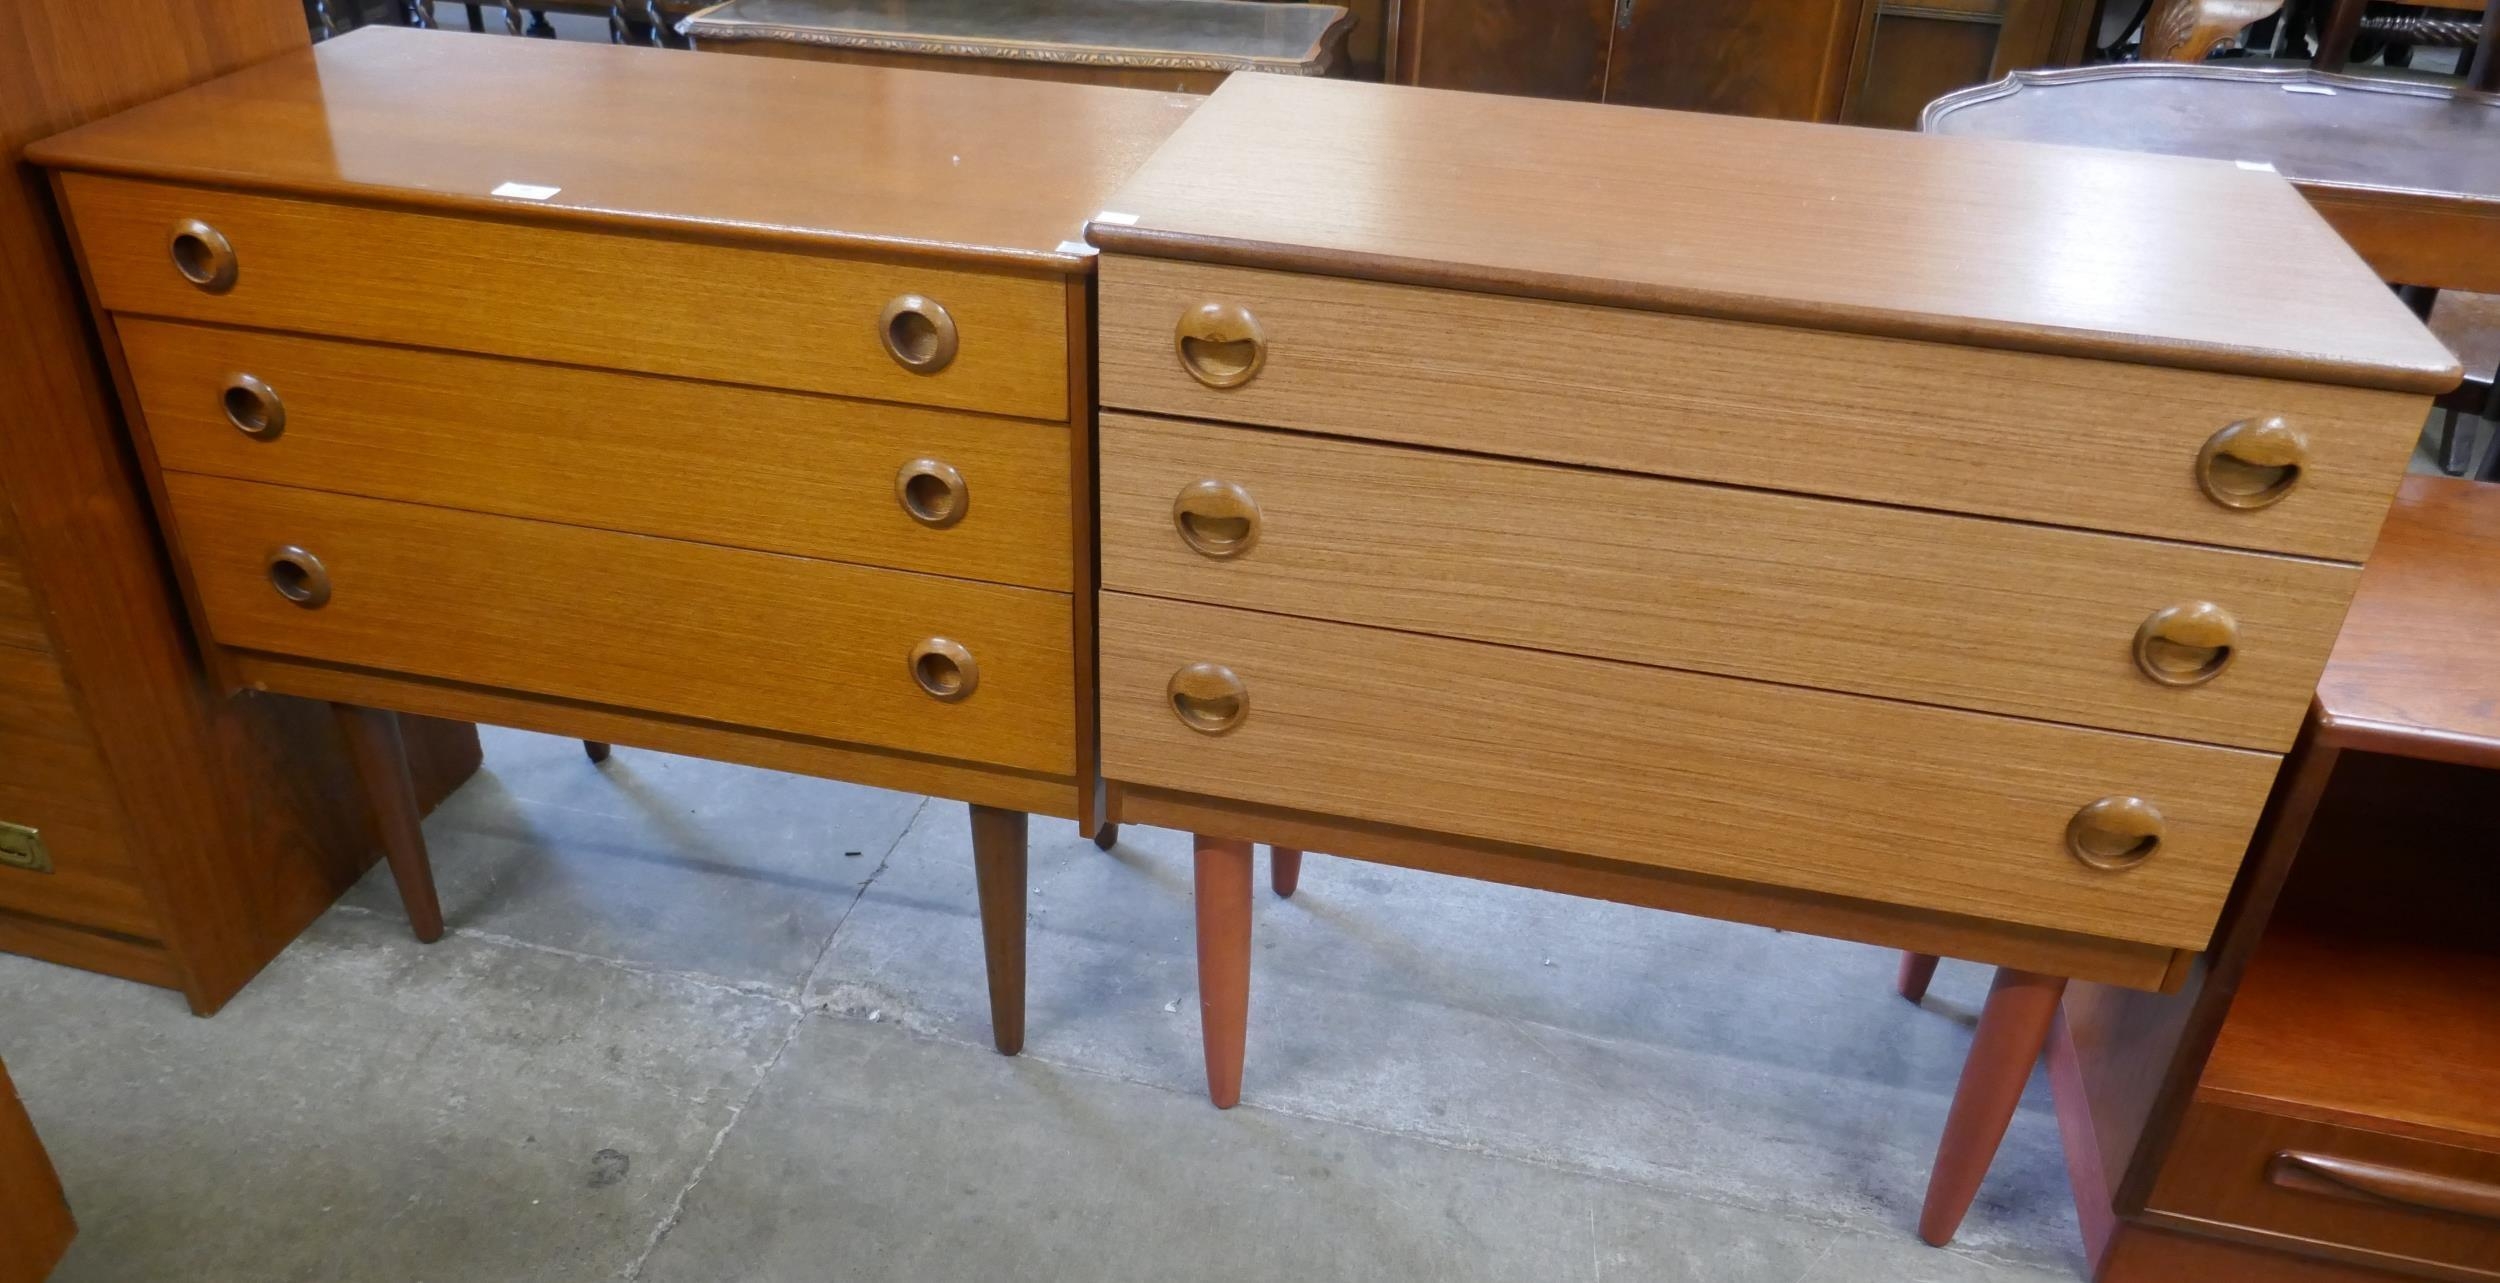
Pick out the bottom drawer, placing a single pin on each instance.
(754, 639)
(1901, 803)
(2416, 1200)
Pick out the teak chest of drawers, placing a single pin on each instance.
(728, 434)
(1922, 541)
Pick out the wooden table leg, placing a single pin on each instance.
(1284, 870)
(1916, 970)
(998, 844)
(380, 760)
(1223, 878)
(2013, 1028)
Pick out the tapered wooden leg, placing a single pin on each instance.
(1223, 962)
(1107, 837)
(380, 760)
(1284, 870)
(1916, 970)
(2012, 1029)
(998, 869)
(596, 750)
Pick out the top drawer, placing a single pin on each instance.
(2102, 445)
(778, 319)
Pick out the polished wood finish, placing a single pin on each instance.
(2098, 444)
(2028, 621)
(1501, 744)
(1222, 881)
(2431, 595)
(1742, 57)
(1535, 47)
(1917, 969)
(2188, 30)
(1786, 224)
(35, 1223)
(998, 860)
(2013, 1027)
(774, 471)
(195, 836)
(380, 759)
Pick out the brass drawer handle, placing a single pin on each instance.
(2252, 463)
(932, 491)
(299, 577)
(2115, 833)
(253, 406)
(2373, 1182)
(1217, 518)
(203, 255)
(945, 670)
(1208, 698)
(1220, 344)
(2188, 644)
(919, 333)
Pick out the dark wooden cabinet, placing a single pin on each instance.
(1862, 62)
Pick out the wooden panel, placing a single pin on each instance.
(51, 780)
(1949, 610)
(141, 961)
(1976, 241)
(2226, 1167)
(1913, 59)
(35, 1224)
(816, 648)
(805, 321)
(2432, 592)
(753, 469)
(1534, 47)
(1783, 59)
(21, 617)
(1933, 808)
(2042, 438)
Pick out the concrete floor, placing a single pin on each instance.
(698, 1022)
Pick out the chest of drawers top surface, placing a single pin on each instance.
(918, 164)
(2055, 249)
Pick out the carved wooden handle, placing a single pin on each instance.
(203, 255)
(919, 333)
(253, 406)
(944, 669)
(2187, 644)
(1217, 518)
(299, 576)
(1208, 698)
(2252, 463)
(2351, 1177)
(932, 491)
(1220, 344)
(2115, 832)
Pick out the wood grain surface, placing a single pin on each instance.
(52, 780)
(810, 647)
(1947, 610)
(737, 315)
(808, 475)
(898, 162)
(2052, 439)
(2432, 594)
(35, 1222)
(2071, 250)
(1938, 809)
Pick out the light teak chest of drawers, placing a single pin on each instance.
(1917, 541)
(758, 429)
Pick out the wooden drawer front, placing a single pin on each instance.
(786, 319)
(21, 620)
(746, 638)
(1952, 610)
(776, 471)
(2070, 442)
(1934, 808)
(51, 780)
(2416, 1200)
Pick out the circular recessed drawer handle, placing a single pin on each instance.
(919, 333)
(2115, 833)
(253, 406)
(2252, 463)
(299, 577)
(1220, 344)
(1208, 698)
(2188, 644)
(932, 491)
(944, 669)
(203, 255)
(1217, 518)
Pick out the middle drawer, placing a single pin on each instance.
(889, 485)
(970, 671)
(1961, 611)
